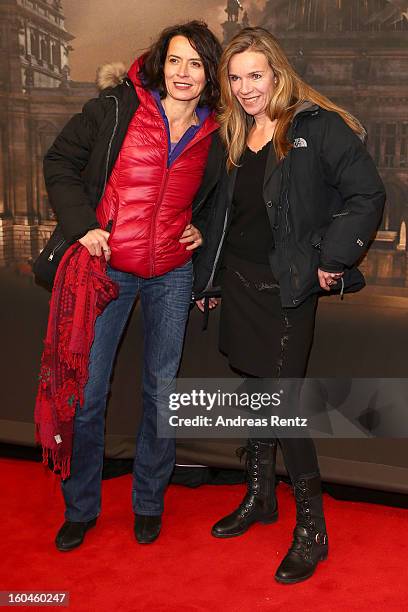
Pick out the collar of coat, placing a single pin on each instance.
(305, 107)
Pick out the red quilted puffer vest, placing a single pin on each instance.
(150, 204)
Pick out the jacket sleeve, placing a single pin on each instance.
(349, 168)
(201, 219)
(64, 163)
(204, 201)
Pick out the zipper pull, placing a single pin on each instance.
(54, 250)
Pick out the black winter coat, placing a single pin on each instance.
(324, 202)
(77, 167)
(79, 163)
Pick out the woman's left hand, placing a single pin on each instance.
(328, 279)
(193, 235)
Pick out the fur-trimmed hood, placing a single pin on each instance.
(113, 74)
(110, 75)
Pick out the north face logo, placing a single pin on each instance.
(299, 142)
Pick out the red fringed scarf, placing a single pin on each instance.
(81, 291)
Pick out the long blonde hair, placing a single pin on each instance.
(289, 93)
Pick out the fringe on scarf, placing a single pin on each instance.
(82, 290)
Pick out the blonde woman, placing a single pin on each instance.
(297, 201)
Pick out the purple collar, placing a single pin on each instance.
(173, 152)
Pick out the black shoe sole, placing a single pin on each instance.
(147, 541)
(67, 549)
(295, 580)
(235, 535)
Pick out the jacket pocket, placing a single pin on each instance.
(303, 264)
(46, 264)
(316, 239)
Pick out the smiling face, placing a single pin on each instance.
(252, 81)
(184, 72)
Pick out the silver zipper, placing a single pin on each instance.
(51, 255)
(218, 252)
(287, 213)
(341, 214)
(110, 142)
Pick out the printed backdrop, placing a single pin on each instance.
(354, 51)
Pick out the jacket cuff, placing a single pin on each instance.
(84, 232)
(331, 267)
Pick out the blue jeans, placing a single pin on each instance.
(165, 304)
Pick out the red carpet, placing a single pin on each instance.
(187, 569)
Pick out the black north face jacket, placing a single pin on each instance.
(324, 203)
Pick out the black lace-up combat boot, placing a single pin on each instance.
(310, 543)
(260, 503)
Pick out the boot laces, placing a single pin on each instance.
(304, 516)
(251, 469)
(302, 545)
(251, 464)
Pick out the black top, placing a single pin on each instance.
(250, 236)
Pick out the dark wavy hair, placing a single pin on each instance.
(203, 41)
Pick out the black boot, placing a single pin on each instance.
(260, 503)
(71, 535)
(147, 528)
(310, 543)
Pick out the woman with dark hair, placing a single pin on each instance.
(122, 176)
(297, 203)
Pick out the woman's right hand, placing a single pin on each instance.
(213, 302)
(96, 241)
